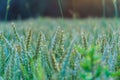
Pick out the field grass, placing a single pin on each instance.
(57, 49)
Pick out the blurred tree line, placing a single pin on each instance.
(22, 9)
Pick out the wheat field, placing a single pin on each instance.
(57, 49)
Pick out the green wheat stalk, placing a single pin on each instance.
(61, 11)
(115, 7)
(104, 8)
(7, 9)
(60, 6)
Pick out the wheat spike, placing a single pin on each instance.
(38, 46)
(28, 39)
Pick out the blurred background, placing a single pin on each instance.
(24, 9)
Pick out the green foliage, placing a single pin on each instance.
(91, 64)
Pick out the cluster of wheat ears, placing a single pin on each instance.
(22, 57)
